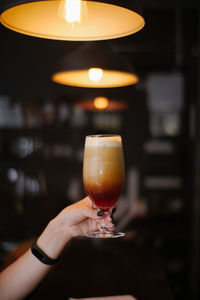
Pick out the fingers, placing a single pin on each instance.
(94, 212)
(84, 210)
(89, 212)
(113, 210)
(87, 209)
(89, 225)
(94, 225)
(88, 201)
(90, 222)
(100, 213)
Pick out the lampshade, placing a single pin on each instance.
(102, 104)
(95, 65)
(72, 20)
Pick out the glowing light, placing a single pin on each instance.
(101, 103)
(72, 10)
(78, 20)
(95, 74)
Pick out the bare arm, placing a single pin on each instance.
(21, 277)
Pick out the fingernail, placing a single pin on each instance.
(113, 210)
(100, 213)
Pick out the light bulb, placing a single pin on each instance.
(101, 103)
(73, 11)
(95, 74)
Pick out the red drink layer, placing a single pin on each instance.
(104, 198)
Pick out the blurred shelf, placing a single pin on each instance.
(49, 133)
(40, 163)
(35, 130)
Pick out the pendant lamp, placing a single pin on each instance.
(95, 65)
(102, 103)
(72, 20)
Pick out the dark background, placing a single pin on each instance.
(41, 153)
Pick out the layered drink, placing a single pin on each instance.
(103, 169)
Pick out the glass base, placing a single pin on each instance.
(105, 234)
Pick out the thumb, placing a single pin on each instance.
(89, 212)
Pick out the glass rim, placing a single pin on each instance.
(102, 135)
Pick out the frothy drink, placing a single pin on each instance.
(103, 169)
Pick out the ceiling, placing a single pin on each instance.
(166, 42)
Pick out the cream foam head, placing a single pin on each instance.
(103, 141)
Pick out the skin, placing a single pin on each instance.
(22, 276)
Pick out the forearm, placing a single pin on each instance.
(20, 278)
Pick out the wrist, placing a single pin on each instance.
(54, 238)
(42, 256)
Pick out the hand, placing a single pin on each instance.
(21, 277)
(75, 220)
(81, 217)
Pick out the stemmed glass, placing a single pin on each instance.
(103, 175)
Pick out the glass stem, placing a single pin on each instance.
(104, 227)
